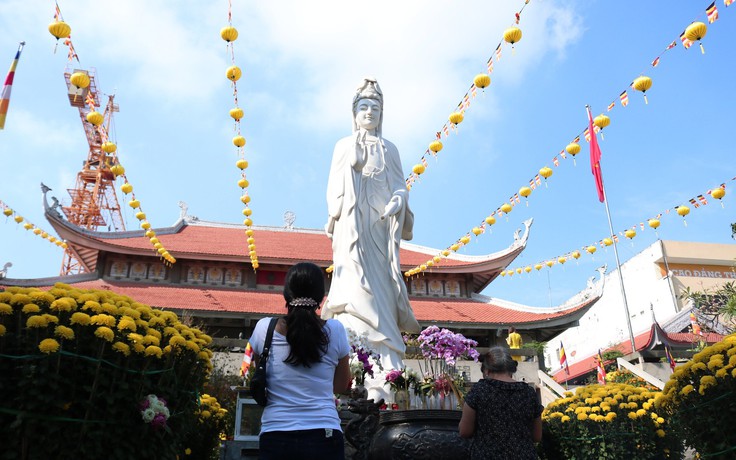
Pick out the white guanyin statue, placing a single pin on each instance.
(368, 206)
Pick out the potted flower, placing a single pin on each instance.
(398, 381)
(362, 362)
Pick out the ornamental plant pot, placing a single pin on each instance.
(418, 435)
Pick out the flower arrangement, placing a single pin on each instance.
(700, 400)
(81, 362)
(154, 411)
(615, 420)
(363, 357)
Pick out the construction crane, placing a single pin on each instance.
(94, 204)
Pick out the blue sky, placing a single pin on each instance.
(301, 61)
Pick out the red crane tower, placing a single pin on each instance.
(94, 204)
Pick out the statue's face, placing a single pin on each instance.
(368, 114)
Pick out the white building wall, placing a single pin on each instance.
(605, 324)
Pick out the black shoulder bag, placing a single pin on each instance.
(258, 387)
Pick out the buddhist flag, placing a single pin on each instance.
(611, 106)
(727, 2)
(686, 42)
(624, 99)
(655, 62)
(563, 359)
(247, 358)
(601, 369)
(595, 159)
(712, 13)
(5, 97)
(670, 359)
(672, 45)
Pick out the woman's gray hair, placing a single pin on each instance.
(497, 360)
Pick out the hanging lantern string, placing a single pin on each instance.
(233, 73)
(481, 81)
(573, 148)
(8, 212)
(653, 222)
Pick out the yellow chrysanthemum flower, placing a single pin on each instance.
(137, 338)
(157, 321)
(51, 318)
(31, 308)
(5, 309)
(121, 347)
(48, 346)
(103, 319)
(153, 350)
(641, 412)
(177, 341)
(64, 304)
(582, 416)
(36, 321)
(80, 318)
(64, 332)
(151, 340)
(154, 333)
(632, 415)
(20, 299)
(687, 389)
(564, 419)
(139, 348)
(660, 433)
(92, 306)
(41, 297)
(2, 330)
(192, 346)
(127, 323)
(105, 333)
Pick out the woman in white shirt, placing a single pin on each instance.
(307, 365)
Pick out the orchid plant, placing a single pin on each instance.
(362, 358)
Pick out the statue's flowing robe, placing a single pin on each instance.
(368, 293)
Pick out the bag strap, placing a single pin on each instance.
(267, 343)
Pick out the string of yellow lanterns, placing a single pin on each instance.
(60, 29)
(630, 233)
(642, 83)
(9, 212)
(233, 73)
(511, 35)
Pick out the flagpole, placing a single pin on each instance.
(615, 252)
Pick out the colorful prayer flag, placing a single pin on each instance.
(8, 87)
(694, 324)
(446, 130)
(611, 105)
(490, 65)
(624, 99)
(595, 159)
(555, 161)
(672, 45)
(694, 203)
(563, 359)
(586, 135)
(702, 199)
(670, 359)
(247, 358)
(686, 42)
(655, 62)
(601, 369)
(727, 2)
(498, 53)
(712, 13)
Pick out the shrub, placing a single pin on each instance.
(700, 399)
(93, 374)
(615, 421)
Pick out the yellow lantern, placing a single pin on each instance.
(422, 267)
(161, 250)
(108, 147)
(503, 273)
(80, 80)
(465, 239)
(545, 172)
(95, 118)
(249, 232)
(150, 233)
(126, 188)
(527, 269)
(490, 220)
(510, 272)
(430, 263)
(238, 141)
(154, 240)
(607, 241)
(512, 35)
(245, 199)
(8, 212)
(134, 204)
(52, 239)
(236, 113)
(418, 169)
(436, 259)
(525, 192)
(654, 223)
(157, 245)
(145, 225)
(140, 215)
(64, 245)
(18, 219)
(456, 118)
(518, 270)
(455, 247)
(243, 183)
(630, 233)
(476, 231)
(241, 164)
(537, 267)
(506, 208)
(435, 146)
(601, 121)
(233, 73)
(44, 235)
(695, 32)
(248, 222)
(247, 212)
(445, 253)
(251, 240)
(28, 226)
(229, 34)
(549, 263)
(37, 231)
(562, 260)
(718, 193)
(482, 80)
(573, 149)
(117, 169)
(642, 84)
(683, 211)
(575, 255)
(60, 29)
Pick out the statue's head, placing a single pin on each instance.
(369, 90)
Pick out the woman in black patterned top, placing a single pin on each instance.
(501, 415)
